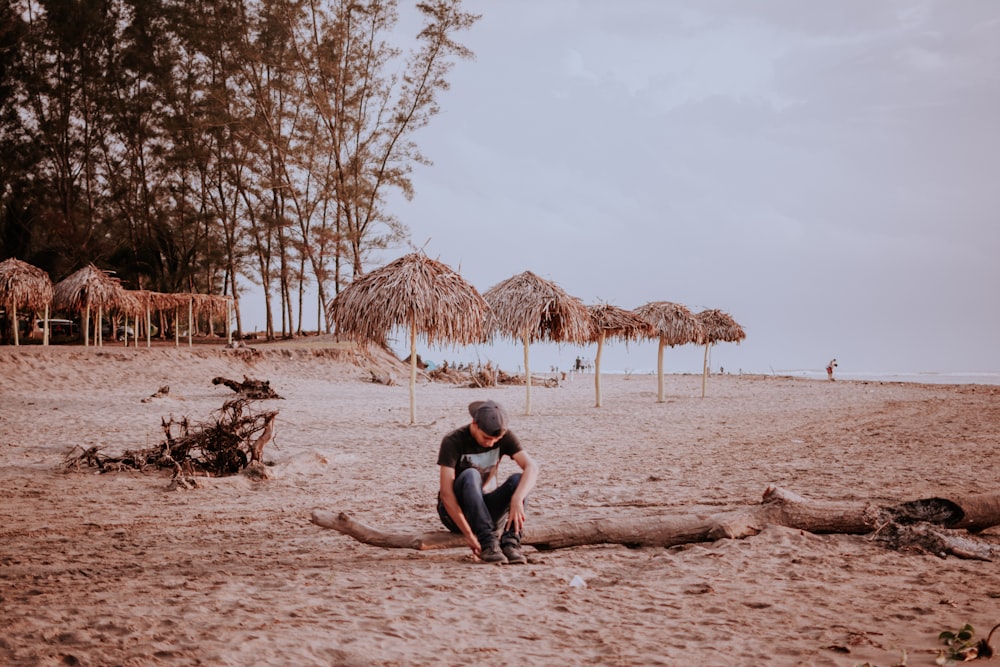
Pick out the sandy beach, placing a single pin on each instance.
(115, 569)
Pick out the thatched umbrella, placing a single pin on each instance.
(27, 286)
(423, 295)
(607, 321)
(673, 324)
(88, 288)
(527, 308)
(719, 327)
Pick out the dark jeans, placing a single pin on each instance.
(485, 512)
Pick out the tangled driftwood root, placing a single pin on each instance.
(160, 393)
(256, 389)
(484, 375)
(230, 442)
(924, 526)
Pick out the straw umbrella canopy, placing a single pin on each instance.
(88, 288)
(421, 294)
(673, 324)
(719, 327)
(607, 321)
(527, 308)
(26, 286)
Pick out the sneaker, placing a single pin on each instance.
(512, 552)
(492, 554)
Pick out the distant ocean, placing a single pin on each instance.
(548, 358)
(927, 377)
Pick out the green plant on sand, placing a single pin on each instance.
(963, 647)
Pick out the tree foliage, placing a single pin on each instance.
(200, 144)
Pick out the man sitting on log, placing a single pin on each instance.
(469, 459)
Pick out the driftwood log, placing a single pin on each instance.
(935, 525)
(255, 389)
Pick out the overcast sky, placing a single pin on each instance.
(826, 172)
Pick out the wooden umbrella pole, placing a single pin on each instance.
(45, 330)
(190, 322)
(149, 325)
(704, 370)
(177, 326)
(413, 368)
(13, 309)
(597, 369)
(527, 377)
(659, 371)
(229, 322)
(86, 325)
(99, 328)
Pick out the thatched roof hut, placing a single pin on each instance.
(527, 308)
(607, 321)
(90, 288)
(673, 324)
(189, 303)
(24, 286)
(415, 292)
(718, 327)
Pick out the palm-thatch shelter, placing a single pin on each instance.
(89, 288)
(177, 302)
(527, 308)
(673, 324)
(131, 304)
(210, 305)
(25, 286)
(192, 303)
(148, 302)
(421, 294)
(718, 327)
(607, 321)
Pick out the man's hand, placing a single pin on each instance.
(473, 543)
(515, 516)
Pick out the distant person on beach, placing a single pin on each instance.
(469, 459)
(829, 368)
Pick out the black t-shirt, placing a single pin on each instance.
(459, 450)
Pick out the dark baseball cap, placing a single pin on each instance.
(489, 417)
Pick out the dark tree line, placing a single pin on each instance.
(192, 145)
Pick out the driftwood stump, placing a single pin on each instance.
(935, 525)
(254, 389)
(231, 441)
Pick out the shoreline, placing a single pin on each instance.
(322, 346)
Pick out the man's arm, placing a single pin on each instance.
(455, 510)
(529, 475)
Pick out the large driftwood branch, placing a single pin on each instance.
(250, 388)
(928, 524)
